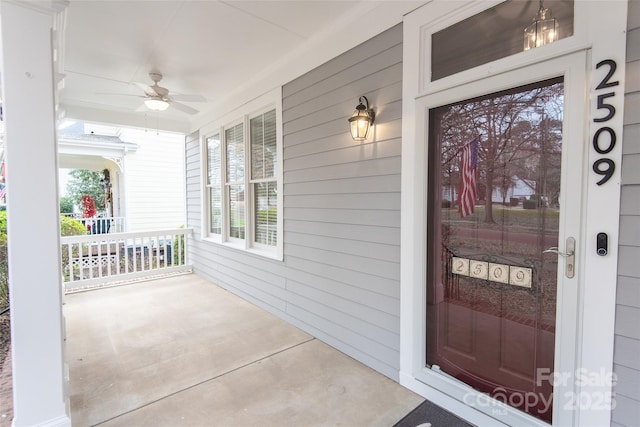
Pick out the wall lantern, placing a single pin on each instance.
(156, 104)
(543, 30)
(361, 120)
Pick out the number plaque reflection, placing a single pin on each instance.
(501, 273)
(460, 266)
(479, 269)
(520, 276)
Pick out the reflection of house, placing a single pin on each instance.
(146, 173)
(520, 189)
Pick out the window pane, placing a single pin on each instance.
(263, 145)
(236, 211)
(492, 34)
(214, 177)
(235, 153)
(266, 213)
(215, 209)
(214, 160)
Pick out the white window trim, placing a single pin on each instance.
(262, 104)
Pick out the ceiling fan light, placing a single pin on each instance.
(156, 104)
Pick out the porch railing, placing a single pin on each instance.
(103, 258)
(100, 225)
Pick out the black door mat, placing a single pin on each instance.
(429, 415)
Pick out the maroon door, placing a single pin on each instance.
(494, 193)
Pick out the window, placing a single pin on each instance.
(242, 193)
(214, 183)
(263, 177)
(490, 35)
(234, 181)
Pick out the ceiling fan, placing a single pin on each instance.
(158, 98)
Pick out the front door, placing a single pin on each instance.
(502, 226)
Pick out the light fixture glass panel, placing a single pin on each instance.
(156, 104)
(360, 122)
(542, 31)
(360, 128)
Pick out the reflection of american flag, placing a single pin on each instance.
(467, 194)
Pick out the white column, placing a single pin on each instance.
(39, 390)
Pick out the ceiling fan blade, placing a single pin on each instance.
(187, 98)
(148, 90)
(119, 94)
(184, 108)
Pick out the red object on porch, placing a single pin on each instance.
(88, 207)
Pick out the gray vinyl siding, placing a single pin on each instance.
(340, 277)
(627, 338)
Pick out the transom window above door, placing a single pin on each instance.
(493, 34)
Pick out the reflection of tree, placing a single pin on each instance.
(86, 182)
(520, 132)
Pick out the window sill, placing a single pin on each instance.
(239, 245)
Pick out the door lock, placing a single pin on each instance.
(569, 256)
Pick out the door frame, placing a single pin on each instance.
(592, 352)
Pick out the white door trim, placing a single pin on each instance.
(599, 29)
(572, 67)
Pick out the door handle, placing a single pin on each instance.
(569, 256)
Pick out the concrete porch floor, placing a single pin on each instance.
(181, 351)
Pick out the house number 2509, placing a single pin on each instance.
(604, 138)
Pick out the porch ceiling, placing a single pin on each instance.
(210, 48)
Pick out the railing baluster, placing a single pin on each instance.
(70, 261)
(81, 257)
(117, 252)
(145, 253)
(123, 255)
(135, 255)
(156, 253)
(168, 250)
(99, 263)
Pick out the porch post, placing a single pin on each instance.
(35, 284)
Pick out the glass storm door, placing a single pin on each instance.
(494, 210)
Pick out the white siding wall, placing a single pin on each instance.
(627, 340)
(154, 181)
(340, 279)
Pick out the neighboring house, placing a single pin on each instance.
(359, 254)
(154, 184)
(520, 189)
(145, 168)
